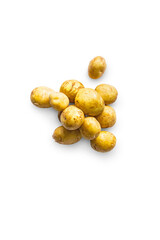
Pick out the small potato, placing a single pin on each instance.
(59, 101)
(59, 114)
(96, 67)
(89, 101)
(70, 88)
(107, 118)
(107, 92)
(40, 97)
(64, 136)
(105, 142)
(90, 128)
(72, 118)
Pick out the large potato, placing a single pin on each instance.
(89, 101)
(59, 101)
(105, 142)
(64, 136)
(72, 118)
(40, 97)
(107, 118)
(96, 67)
(107, 92)
(70, 88)
(90, 128)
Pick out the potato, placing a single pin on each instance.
(59, 101)
(70, 88)
(105, 142)
(40, 97)
(107, 92)
(107, 118)
(59, 114)
(64, 136)
(96, 67)
(72, 118)
(89, 101)
(90, 128)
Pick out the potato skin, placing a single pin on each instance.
(59, 101)
(59, 115)
(107, 118)
(40, 97)
(90, 128)
(105, 142)
(70, 88)
(64, 136)
(96, 67)
(107, 92)
(89, 101)
(72, 118)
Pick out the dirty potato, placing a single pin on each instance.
(89, 101)
(40, 97)
(96, 67)
(90, 128)
(70, 88)
(107, 92)
(64, 136)
(105, 142)
(59, 101)
(107, 118)
(72, 118)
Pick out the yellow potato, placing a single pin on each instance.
(70, 88)
(72, 118)
(107, 92)
(89, 101)
(40, 97)
(59, 114)
(59, 101)
(90, 128)
(64, 136)
(96, 67)
(105, 142)
(107, 118)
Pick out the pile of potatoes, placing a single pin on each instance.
(83, 112)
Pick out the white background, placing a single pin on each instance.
(50, 191)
